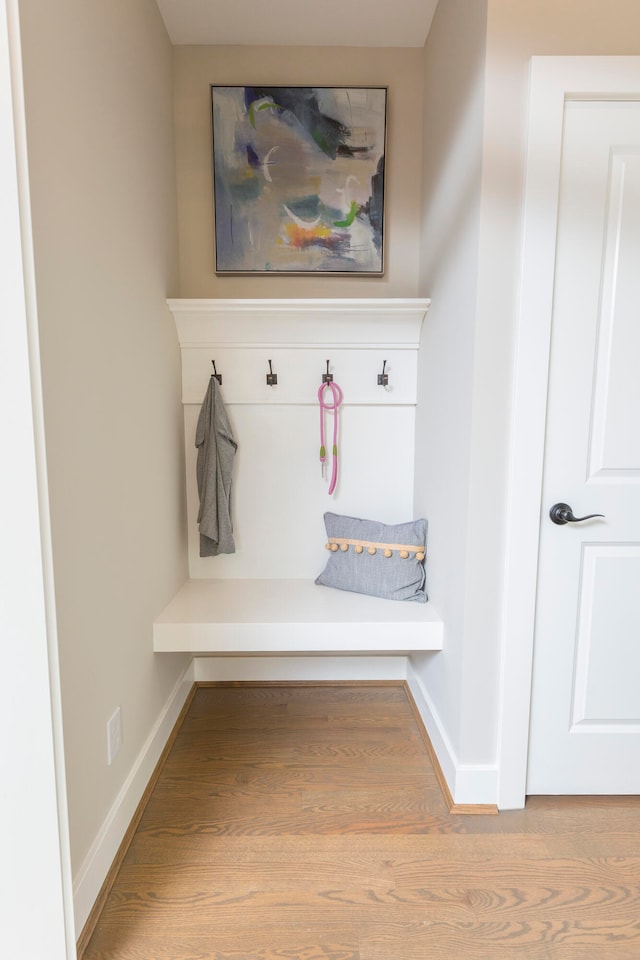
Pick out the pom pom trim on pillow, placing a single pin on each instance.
(404, 550)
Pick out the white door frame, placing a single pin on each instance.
(553, 81)
(36, 899)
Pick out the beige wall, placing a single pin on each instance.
(399, 69)
(98, 82)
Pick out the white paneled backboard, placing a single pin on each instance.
(278, 494)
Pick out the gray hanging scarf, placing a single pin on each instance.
(216, 450)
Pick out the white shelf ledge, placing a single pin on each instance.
(362, 323)
(290, 616)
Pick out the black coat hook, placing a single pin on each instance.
(327, 377)
(272, 378)
(383, 378)
(215, 373)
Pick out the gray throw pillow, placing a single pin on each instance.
(378, 559)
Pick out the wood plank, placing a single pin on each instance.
(251, 783)
(534, 940)
(274, 944)
(173, 896)
(397, 848)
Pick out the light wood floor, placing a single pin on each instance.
(306, 823)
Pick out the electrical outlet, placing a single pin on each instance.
(114, 736)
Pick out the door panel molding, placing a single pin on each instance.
(615, 442)
(600, 641)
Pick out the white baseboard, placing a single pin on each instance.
(308, 668)
(468, 783)
(97, 864)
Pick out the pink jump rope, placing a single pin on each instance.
(332, 408)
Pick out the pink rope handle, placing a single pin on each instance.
(337, 395)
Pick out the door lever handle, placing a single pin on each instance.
(562, 513)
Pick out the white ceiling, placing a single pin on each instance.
(316, 23)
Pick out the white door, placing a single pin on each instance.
(585, 719)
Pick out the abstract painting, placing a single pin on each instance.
(299, 179)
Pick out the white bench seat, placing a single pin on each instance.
(290, 616)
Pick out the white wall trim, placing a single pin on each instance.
(553, 81)
(34, 832)
(97, 863)
(468, 783)
(308, 668)
(476, 783)
(433, 725)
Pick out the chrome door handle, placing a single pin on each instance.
(562, 513)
